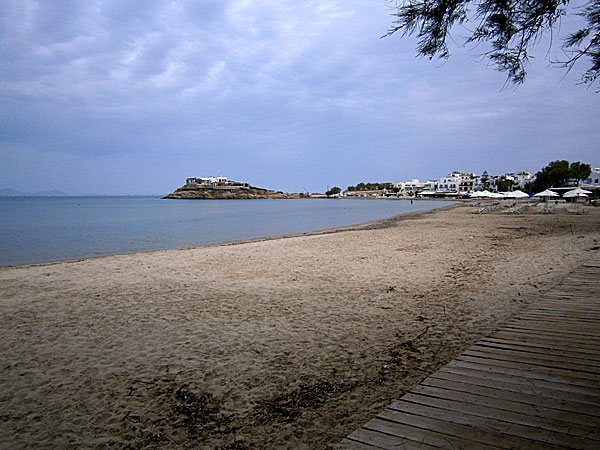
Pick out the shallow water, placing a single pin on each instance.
(39, 229)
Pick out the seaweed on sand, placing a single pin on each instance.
(176, 413)
(287, 407)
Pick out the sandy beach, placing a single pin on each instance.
(284, 343)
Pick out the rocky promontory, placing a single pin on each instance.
(196, 191)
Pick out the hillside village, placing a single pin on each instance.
(456, 184)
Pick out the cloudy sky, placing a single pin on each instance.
(132, 97)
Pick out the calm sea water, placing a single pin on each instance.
(62, 228)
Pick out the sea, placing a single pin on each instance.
(44, 229)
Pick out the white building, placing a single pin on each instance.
(414, 187)
(449, 184)
(522, 178)
(467, 182)
(593, 182)
(209, 181)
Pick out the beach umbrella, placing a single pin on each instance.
(516, 194)
(495, 195)
(577, 192)
(546, 194)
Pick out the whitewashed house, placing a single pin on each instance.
(593, 182)
(449, 184)
(523, 177)
(208, 181)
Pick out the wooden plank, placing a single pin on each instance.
(559, 341)
(577, 324)
(518, 385)
(532, 352)
(578, 308)
(562, 319)
(553, 327)
(438, 421)
(537, 359)
(572, 309)
(523, 371)
(557, 326)
(473, 397)
(368, 439)
(419, 434)
(552, 334)
(400, 409)
(348, 444)
(549, 349)
(561, 301)
(557, 338)
(560, 314)
(524, 381)
(492, 418)
(511, 393)
(560, 375)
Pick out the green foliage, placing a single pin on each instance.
(558, 173)
(505, 184)
(333, 191)
(580, 171)
(512, 28)
(370, 187)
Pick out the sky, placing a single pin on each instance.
(132, 97)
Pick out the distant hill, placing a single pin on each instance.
(7, 192)
(52, 193)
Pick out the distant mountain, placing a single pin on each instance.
(7, 192)
(52, 193)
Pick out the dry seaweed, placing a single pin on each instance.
(287, 407)
(171, 408)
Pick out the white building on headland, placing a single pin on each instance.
(213, 183)
(209, 181)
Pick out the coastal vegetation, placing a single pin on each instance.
(558, 173)
(333, 191)
(510, 29)
(370, 187)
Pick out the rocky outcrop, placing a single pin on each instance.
(202, 192)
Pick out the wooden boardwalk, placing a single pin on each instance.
(534, 383)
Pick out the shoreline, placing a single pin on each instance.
(357, 226)
(287, 342)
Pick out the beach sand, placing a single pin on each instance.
(284, 343)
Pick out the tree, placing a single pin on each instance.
(333, 191)
(558, 173)
(580, 171)
(505, 184)
(511, 27)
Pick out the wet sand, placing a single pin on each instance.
(290, 342)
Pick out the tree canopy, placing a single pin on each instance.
(333, 191)
(558, 173)
(370, 187)
(512, 28)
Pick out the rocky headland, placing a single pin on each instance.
(242, 191)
